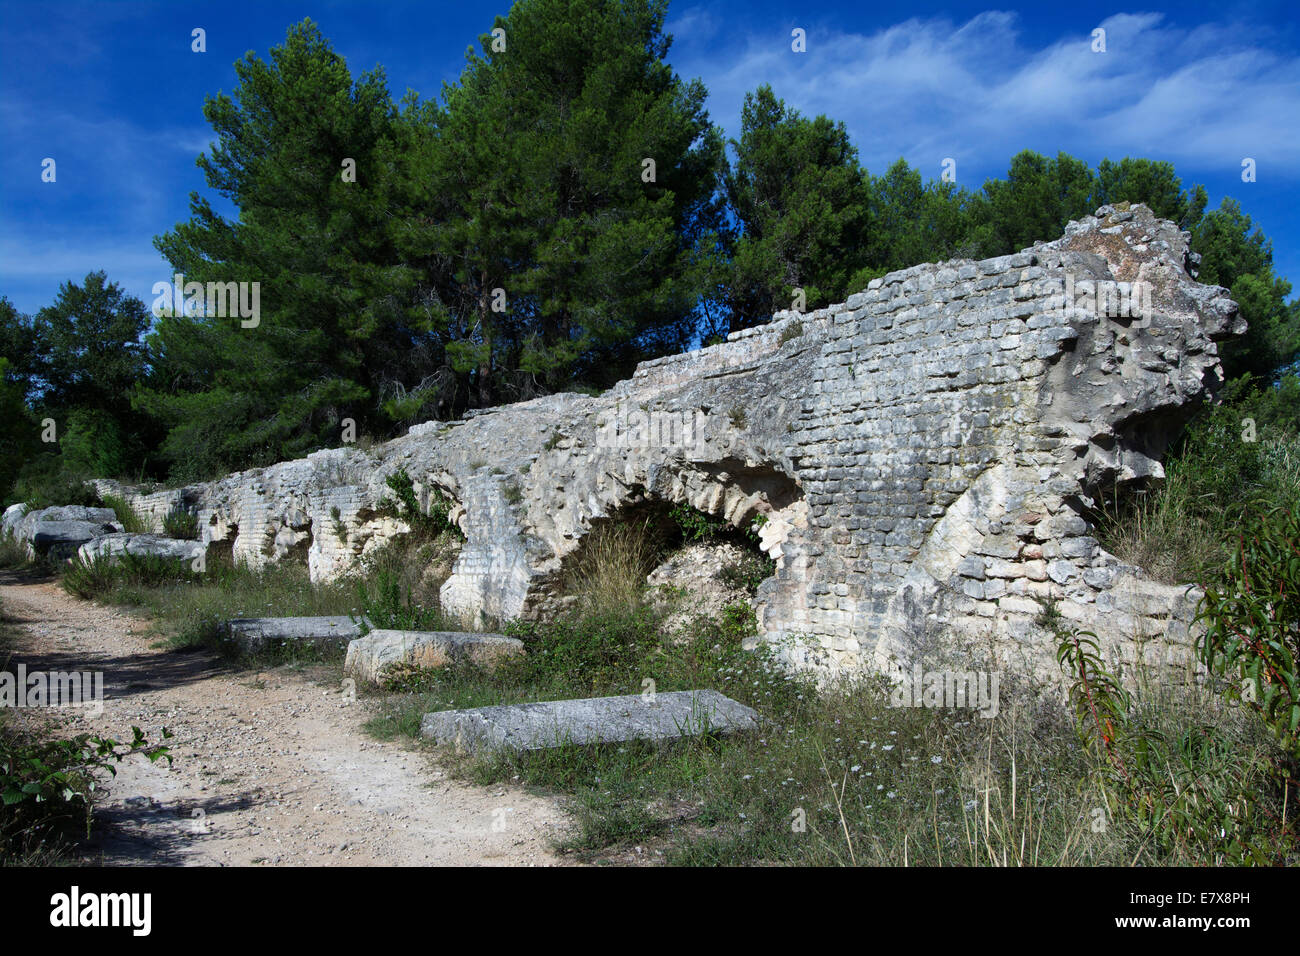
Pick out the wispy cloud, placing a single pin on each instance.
(30, 268)
(976, 91)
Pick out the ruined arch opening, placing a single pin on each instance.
(706, 536)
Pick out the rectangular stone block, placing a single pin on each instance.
(256, 633)
(369, 656)
(595, 720)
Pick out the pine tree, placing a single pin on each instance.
(802, 202)
(582, 175)
(313, 240)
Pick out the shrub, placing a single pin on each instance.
(44, 784)
(385, 603)
(406, 507)
(1185, 790)
(182, 524)
(103, 577)
(1252, 622)
(43, 484)
(695, 525)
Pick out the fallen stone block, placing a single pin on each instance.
(58, 532)
(111, 547)
(369, 656)
(256, 633)
(12, 516)
(597, 720)
(61, 539)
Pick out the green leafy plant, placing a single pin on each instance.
(385, 604)
(1252, 622)
(1186, 793)
(405, 505)
(41, 782)
(695, 524)
(182, 524)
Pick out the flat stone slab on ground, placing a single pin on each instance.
(369, 656)
(253, 633)
(595, 720)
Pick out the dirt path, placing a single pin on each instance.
(269, 768)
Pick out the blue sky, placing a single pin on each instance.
(112, 91)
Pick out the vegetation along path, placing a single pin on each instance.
(268, 767)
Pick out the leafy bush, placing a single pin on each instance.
(406, 507)
(44, 484)
(1187, 791)
(44, 784)
(182, 524)
(385, 604)
(695, 524)
(1252, 621)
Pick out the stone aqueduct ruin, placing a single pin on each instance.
(925, 455)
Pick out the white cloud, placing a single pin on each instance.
(926, 89)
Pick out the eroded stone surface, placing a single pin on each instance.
(57, 533)
(113, 546)
(371, 656)
(256, 633)
(595, 720)
(924, 456)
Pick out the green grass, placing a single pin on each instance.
(13, 553)
(126, 516)
(1240, 456)
(837, 776)
(181, 524)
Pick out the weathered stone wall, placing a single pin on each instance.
(925, 455)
